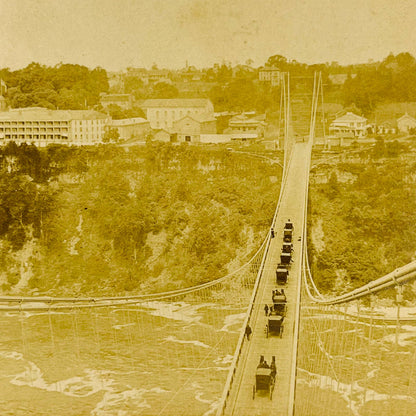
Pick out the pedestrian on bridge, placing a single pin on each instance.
(248, 332)
(266, 309)
(272, 232)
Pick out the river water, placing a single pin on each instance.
(152, 359)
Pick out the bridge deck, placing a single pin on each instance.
(241, 402)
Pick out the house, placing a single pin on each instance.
(162, 136)
(405, 123)
(270, 74)
(349, 125)
(387, 127)
(124, 101)
(190, 128)
(242, 123)
(161, 113)
(42, 126)
(131, 127)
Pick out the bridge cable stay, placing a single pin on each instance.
(354, 356)
(282, 99)
(284, 76)
(351, 359)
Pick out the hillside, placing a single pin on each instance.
(362, 216)
(109, 221)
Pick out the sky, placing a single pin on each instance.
(115, 34)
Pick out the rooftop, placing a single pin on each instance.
(350, 117)
(201, 118)
(129, 121)
(175, 102)
(406, 116)
(40, 113)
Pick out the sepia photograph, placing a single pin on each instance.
(208, 208)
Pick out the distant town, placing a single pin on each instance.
(73, 105)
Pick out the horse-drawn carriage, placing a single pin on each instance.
(287, 247)
(274, 324)
(265, 377)
(286, 258)
(287, 235)
(279, 303)
(289, 225)
(282, 273)
(288, 232)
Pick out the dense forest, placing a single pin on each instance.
(64, 86)
(107, 220)
(392, 80)
(362, 217)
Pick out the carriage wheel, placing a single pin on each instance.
(254, 391)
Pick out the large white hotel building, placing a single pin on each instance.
(42, 126)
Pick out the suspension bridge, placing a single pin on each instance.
(184, 352)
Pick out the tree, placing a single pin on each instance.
(132, 84)
(333, 186)
(111, 135)
(164, 90)
(379, 148)
(278, 61)
(224, 74)
(64, 86)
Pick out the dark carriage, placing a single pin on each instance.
(274, 325)
(265, 379)
(287, 235)
(289, 225)
(287, 247)
(282, 273)
(279, 303)
(286, 258)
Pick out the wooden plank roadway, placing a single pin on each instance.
(240, 401)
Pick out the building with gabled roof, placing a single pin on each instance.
(190, 128)
(405, 123)
(161, 113)
(242, 123)
(162, 135)
(129, 128)
(349, 124)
